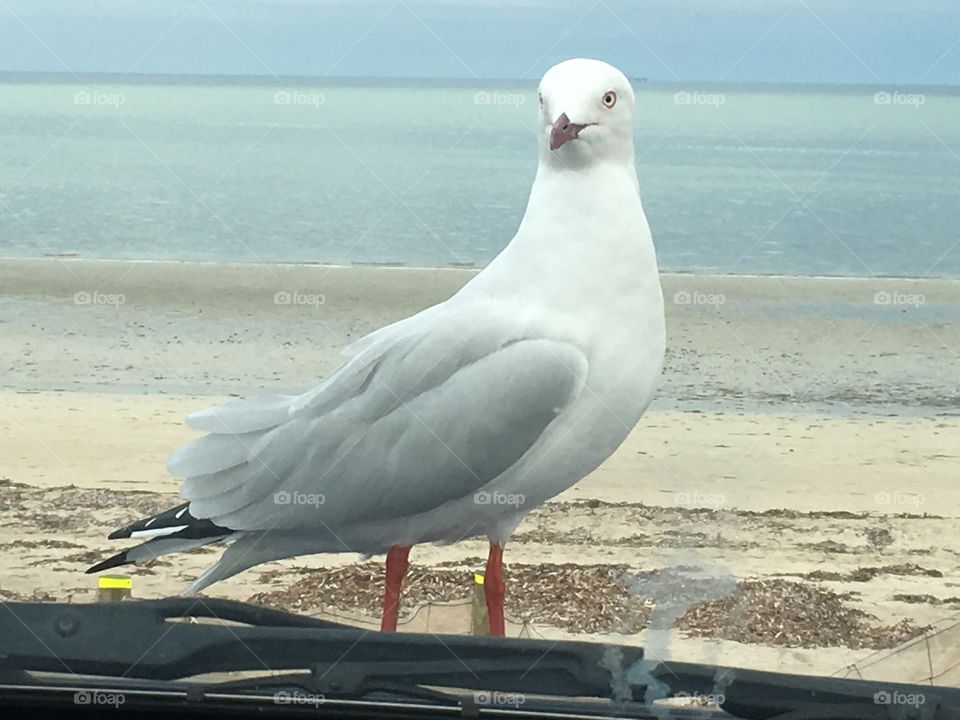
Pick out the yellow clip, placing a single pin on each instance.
(108, 582)
(478, 578)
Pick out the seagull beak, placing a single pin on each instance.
(564, 131)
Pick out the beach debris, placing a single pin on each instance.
(605, 598)
(925, 599)
(865, 574)
(43, 508)
(878, 538)
(832, 547)
(36, 596)
(792, 614)
(578, 598)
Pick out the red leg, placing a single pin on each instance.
(397, 565)
(493, 589)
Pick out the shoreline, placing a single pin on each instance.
(52, 77)
(403, 290)
(462, 267)
(734, 344)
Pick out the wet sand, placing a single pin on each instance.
(734, 343)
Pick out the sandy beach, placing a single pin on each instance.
(807, 430)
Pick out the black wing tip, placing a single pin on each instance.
(145, 523)
(111, 562)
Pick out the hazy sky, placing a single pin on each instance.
(858, 41)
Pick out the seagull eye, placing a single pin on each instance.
(541, 99)
(609, 98)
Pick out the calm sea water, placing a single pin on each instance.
(735, 180)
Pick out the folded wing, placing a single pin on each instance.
(414, 420)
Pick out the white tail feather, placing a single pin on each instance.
(243, 415)
(211, 454)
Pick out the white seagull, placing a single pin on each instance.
(459, 420)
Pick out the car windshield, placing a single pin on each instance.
(629, 323)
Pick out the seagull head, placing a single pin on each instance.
(586, 113)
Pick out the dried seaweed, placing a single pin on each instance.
(791, 614)
(865, 574)
(585, 599)
(597, 598)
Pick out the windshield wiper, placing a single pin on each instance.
(167, 640)
(157, 640)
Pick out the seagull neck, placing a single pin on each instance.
(591, 214)
(588, 187)
(584, 233)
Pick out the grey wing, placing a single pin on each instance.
(403, 428)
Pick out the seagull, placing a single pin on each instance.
(459, 420)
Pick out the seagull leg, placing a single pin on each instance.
(493, 590)
(397, 564)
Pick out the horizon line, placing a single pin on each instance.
(95, 76)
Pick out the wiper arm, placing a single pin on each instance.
(137, 639)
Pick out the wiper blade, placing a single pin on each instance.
(136, 639)
(140, 640)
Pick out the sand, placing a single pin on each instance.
(803, 425)
(734, 343)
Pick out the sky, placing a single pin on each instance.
(882, 42)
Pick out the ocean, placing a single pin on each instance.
(847, 181)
